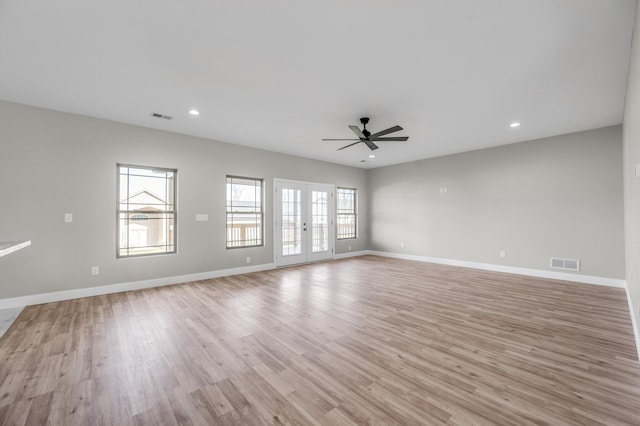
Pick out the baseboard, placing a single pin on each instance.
(156, 282)
(587, 279)
(351, 254)
(58, 296)
(634, 321)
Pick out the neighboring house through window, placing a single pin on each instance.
(244, 212)
(146, 211)
(347, 213)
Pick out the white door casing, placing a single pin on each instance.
(303, 222)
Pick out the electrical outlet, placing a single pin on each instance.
(248, 259)
(349, 248)
(95, 270)
(401, 245)
(503, 253)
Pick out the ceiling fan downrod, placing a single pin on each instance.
(365, 132)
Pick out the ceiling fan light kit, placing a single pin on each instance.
(365, 136)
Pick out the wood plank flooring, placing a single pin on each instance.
(366, 340)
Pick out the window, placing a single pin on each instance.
(244, 212)
(146, 221)
(347, 213)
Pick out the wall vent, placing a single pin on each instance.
(569, 264)
(164, 117)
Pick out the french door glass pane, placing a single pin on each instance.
(319, 221)
(291, 222)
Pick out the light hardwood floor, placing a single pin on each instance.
(362, 340)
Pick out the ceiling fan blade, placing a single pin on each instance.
(358, 132)
(393, 138)
(351, 144)
(386, 132)
(341, 139)
(370, 144)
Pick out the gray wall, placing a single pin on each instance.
(560, 196)
(556, 197)
(631, 139)
(53, 163)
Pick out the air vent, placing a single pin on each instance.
(568, 264)
(164, 117)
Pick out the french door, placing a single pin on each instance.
(303, 222)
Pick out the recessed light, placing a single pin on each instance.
(194, 112)
(514, 124)
(372, 156)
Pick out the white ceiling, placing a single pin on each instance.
(282, 74)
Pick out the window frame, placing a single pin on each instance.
(354, 213)
(228, 212)
(173, 212)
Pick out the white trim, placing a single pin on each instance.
(302, 182)
(634, 321)
(351, 254)
(587, 279)
(57, 296)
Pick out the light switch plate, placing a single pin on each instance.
(68, 217)
(201, 217)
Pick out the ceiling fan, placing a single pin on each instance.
(367, 138)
